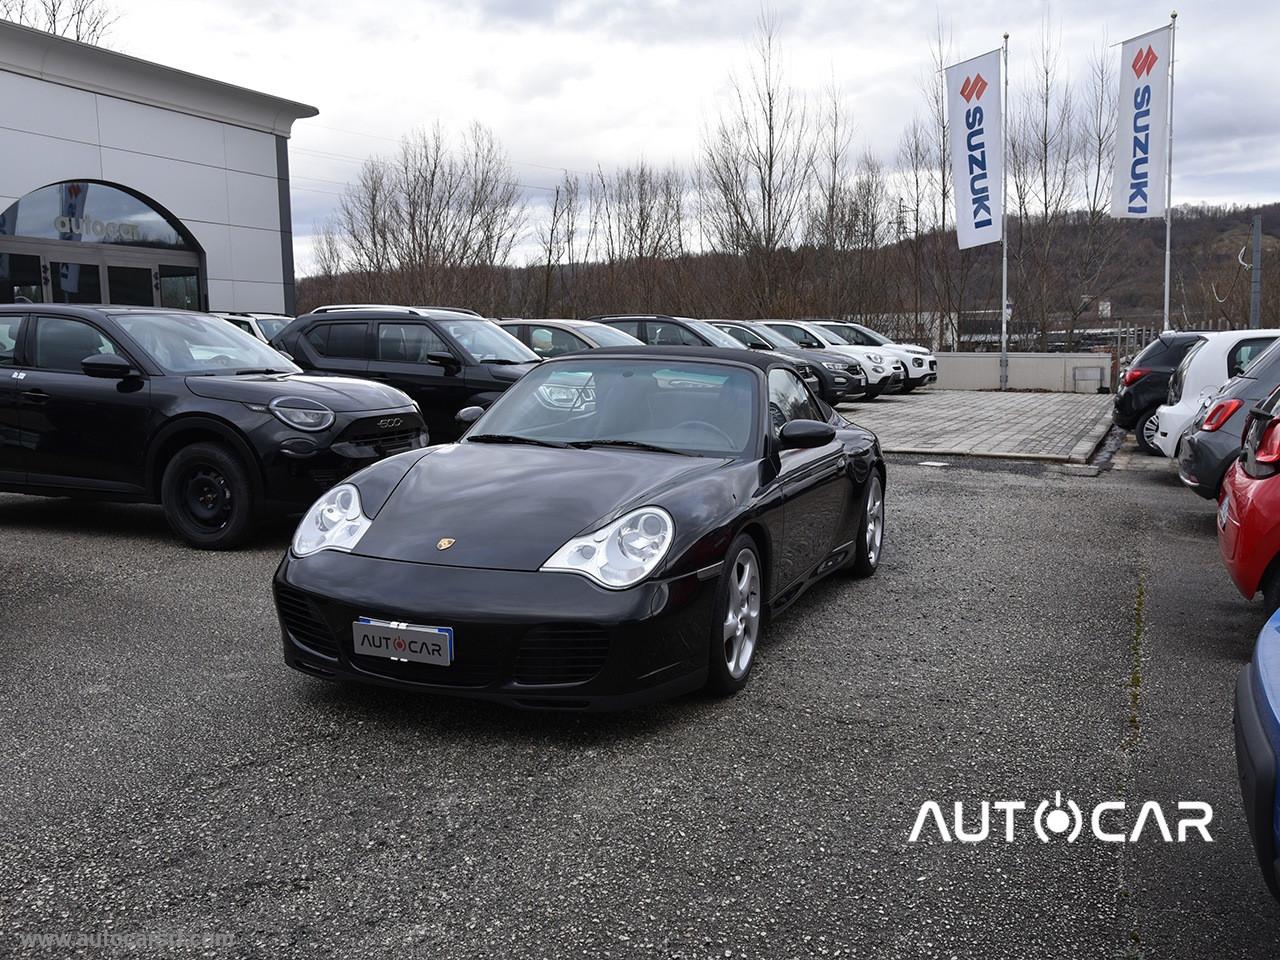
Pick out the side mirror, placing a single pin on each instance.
(446, 360)
(804, 434)
(758, 346)
(107, 366)
(468, 415)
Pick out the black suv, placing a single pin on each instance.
(445, 359)
(184, 409)
(1144, 386)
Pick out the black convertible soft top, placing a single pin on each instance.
(764, 359)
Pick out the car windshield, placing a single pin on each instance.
(607, 336)
(877, 339)
(773, 338)
(689, 407)
(748, 338)
(273, 326)
(713, 335)
(487, 342)
(195, 343)
(826, 333)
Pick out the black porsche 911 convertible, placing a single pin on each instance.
(614, 529)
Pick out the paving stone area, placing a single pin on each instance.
(1063, 427)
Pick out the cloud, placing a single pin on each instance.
(580, 83)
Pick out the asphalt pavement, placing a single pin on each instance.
(162, 774)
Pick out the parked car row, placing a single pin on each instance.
(1220, 420)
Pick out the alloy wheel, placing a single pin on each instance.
(742, 616)
(874, 519)
(1151, 431)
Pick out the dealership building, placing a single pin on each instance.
(127, 182)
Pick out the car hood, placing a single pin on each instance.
(340, 394)
(911, 348)
(510, 507)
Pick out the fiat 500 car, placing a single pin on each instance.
(615, 529)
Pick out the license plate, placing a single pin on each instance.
(410, 642)
(1223, 509)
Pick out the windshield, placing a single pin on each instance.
(487, 342)
(704, 409)
(748, 338)
(829, 335)
(876, 339)
(773, 338)
(194, 343)
(271, 327)
(607, 336)
(714, 335)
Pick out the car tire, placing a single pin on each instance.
(1145, 432)
(907, 386)
(739, 618)
(869, 546)
(873, 392)
(207, 497)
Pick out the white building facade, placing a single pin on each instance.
(123, 181)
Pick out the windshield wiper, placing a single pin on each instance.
(634, 444)
(512, 438)
(245, 370)
(504, 361)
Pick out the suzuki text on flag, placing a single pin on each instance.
(1142, 131)
(977, 163)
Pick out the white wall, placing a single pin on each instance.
(220, 180)
(1027, 371)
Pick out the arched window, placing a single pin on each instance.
(86, 211)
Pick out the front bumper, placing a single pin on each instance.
(528, 639)
(298, 467)
(1203, 458)
(923, 373)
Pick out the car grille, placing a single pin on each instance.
(301, 618)
(397, 439)
(567, 653)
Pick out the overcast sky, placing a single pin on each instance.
(576, 83)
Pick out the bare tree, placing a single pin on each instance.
(1044, 144)
(757, 162)
(88, 21)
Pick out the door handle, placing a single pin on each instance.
(34, 397)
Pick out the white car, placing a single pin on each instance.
(921, 365)
(264, 326)
(884, 371)
(1207, 365)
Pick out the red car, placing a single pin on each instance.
(1249, 507)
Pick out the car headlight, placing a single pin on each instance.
(335, 522)
(875, 358)
(301, 413)
(835, 366)
(620, 554)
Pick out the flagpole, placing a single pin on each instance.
(1168, 174)
(1004, 219)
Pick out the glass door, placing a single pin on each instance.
(73, 282)
(131, 286)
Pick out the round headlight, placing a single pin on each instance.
(302, 414)
(875, 358)
(335, 522)
(620, 554)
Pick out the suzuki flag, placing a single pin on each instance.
(1142, 128)
(973, 112)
